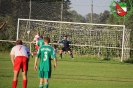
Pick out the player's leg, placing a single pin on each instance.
(41, 82)
(47, 75)
(34, 53)
(15, 79)
(16, 67)
(61, 53)
(41, 76)
(46, 83)
(24, 71)
(70, 52)
(24, 75)
(37, 47)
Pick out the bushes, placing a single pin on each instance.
(5, 46)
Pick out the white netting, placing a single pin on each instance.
(102, 40)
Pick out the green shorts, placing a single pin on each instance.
(45, 74)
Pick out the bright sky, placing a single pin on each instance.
(83, 7)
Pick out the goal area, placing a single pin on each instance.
(99, 40)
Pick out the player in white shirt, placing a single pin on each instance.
(36, 38)
(19, 57)
(55, 50)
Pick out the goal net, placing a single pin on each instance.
(100, 40)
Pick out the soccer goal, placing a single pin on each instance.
(101, 40)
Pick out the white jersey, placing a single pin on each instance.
(55, 51)
(36, 38)
(20, 50)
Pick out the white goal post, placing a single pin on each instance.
(87, 38)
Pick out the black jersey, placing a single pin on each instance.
(65, 43)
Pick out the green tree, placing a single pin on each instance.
(75, 17)
(103, 16)
(94, 19)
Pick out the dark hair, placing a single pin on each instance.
(55, 46)
(19, 42)
(41, 36)
(47, 39)
(65, 35)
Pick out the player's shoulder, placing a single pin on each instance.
(63, 40)
(26, 47)
(49, 46)
(68, 40)
(16, 47)
(42, 46)
(42, 40)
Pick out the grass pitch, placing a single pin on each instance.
(82, 72)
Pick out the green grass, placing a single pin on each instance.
(82, 72)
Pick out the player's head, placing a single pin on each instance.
(41, 37)
(54, 46)
(47, 40)
(38, 33)
(19, 42)
(65, 37)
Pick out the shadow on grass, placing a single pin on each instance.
(5, 76)
(107, 59)
(129, 61)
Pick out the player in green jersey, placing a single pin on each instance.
(40, 41)
(45, 53)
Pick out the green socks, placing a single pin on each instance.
(46, 85)
(40, 86)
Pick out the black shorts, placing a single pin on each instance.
(66, 49)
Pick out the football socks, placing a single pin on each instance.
(45, 85)
(14, 84)
(24, 83)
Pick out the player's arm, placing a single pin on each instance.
(53, 56)
(33, 41)
(36, 59)
(12, 59)
(69, 41)
(12, 56)
(61, 41)
(55, 63)
(3, 25)
(35, 64)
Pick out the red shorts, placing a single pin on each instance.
(37, 47)
(21, 62)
